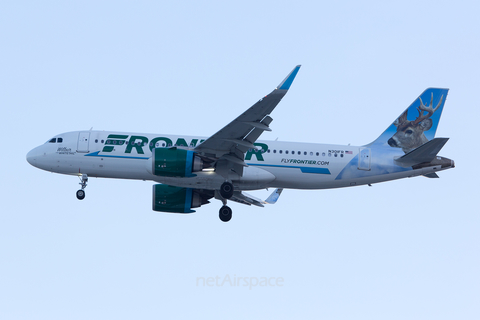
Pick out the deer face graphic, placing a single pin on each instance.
(410, 134)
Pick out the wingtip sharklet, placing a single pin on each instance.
(272, 199)
(285, 84)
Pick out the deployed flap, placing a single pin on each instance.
(239, 135)
(425, 153)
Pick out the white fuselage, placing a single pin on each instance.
(279, 164)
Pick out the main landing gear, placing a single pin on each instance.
(225, 213)
(83, 183)
(226, 192)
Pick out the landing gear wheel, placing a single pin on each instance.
(80, 194)
(226, 190)
(225, 214)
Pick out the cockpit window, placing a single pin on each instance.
(59, 140)
(53, 140)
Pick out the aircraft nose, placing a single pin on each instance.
(32, 156)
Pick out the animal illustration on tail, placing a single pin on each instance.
(410, 134)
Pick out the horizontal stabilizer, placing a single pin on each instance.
(425, 153)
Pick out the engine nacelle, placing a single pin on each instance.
(174, 199)
(173, 162)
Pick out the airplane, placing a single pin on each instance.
(191, 170)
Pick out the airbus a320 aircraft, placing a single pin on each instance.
(192, 170)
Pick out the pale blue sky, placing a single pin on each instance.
(406, 249)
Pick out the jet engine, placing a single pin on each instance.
(173, 162)
(178, 200)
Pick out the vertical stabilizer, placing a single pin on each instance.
(417, 124)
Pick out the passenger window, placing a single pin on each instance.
(299, 153)
(311, 153)
(268, 151)
(96, 140)
(101, 141)
(53, 140)
(274, 151)
(286, 151)
(318, 154)
(323, 154)
(280, 151)
(305, 152)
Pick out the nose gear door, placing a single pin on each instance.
(83, 141)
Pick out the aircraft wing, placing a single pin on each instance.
(228, 146)
(245, 198)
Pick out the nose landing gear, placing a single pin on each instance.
(83, 184)
(80, 194)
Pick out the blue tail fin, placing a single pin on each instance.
(417, 124)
